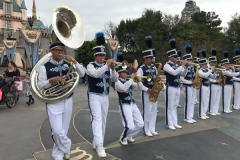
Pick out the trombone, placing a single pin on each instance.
(220, 69)
(140, 78)
(124, 64)
(234, 65)
(229, 66)
(194, 64)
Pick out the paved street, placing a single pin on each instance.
(25, 134)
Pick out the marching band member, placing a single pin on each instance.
(188, 83)
(131, 116)
(196, 60)
(149, 108)
(205, 74)
(227, 89)
(179, 52)
(99, 76)
(215, 88)
(172, 93)
(236, 82)
(59, 113)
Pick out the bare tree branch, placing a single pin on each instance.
(108, 28)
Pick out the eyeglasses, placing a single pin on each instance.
(58, 50)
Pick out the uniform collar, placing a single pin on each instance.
(99, 63)
(122, 79)
(171, 62)
(55, 62)
(204, 69)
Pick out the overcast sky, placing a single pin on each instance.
(95, 13)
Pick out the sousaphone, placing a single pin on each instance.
(67, 28)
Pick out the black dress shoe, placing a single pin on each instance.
(28, 103)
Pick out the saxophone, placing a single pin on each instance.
(220, 71)
(157, 86)
(197, 79)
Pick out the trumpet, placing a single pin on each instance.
(140, 78)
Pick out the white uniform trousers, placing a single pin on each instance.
(98, 105)
(190, 95)
(236, 95)
(149, 113)
(172, 96)
(196, 95)
(226, 97)
(204, 94)
(215, 96)
(132, 120)
(59, 115)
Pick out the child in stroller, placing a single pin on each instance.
(5, 88)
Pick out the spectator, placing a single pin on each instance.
(13, 72)
(129, 69)
(27, 92)
(84, 81)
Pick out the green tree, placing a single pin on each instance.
(171, 20)
(232, 33)
(199, 36)
(210, 19)
(131, 33)
(109, 27)
(125, 33)
(85, 54)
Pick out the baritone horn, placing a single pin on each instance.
(67, 28)
(124, 64)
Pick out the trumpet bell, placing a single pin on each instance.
(68, 26)
(149, 78)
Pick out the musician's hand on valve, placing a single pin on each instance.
(213, 68)
(149, 90)
(219, 81)
(109, 62)
(133, 75)
(57, 80)
(194, 83)
(112, 66)
(184, 63)
(70, 59)
(159, 78)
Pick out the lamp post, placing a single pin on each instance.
(30, 21)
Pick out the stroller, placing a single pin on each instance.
(5, 96)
